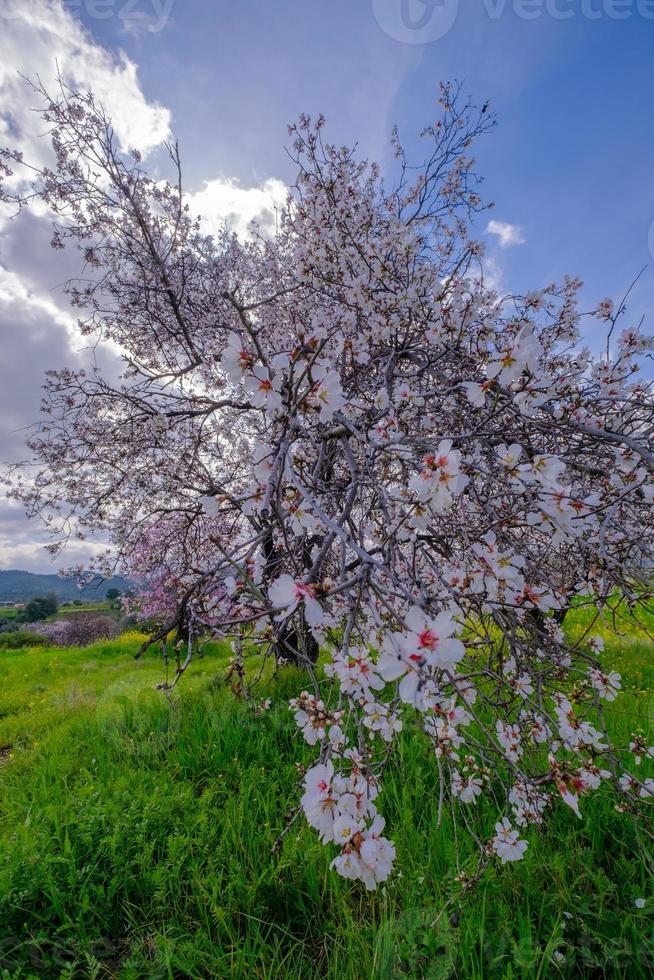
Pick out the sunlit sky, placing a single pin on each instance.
(568, 165)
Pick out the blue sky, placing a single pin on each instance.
(568, 165)
(569, 162)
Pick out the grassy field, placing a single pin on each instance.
(103, 607)
(136, 842)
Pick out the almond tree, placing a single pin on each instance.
(340, 438)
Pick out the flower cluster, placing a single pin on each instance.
(342, 810)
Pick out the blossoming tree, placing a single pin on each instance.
(339, 438)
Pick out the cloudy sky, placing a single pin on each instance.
(569, 165)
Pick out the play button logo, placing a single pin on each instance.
(415, 21)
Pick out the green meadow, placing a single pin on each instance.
(136, 841)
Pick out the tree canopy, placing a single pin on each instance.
(342, 437)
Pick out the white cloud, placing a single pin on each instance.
(40, 38)
(493, 275)
(23, 543)
(37, 328)
(14, 291)
(224, 200)
(507, 234)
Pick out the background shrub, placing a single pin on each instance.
(79, 630)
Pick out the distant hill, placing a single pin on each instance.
(19, 586)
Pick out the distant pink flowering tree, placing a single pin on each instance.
(160, 559)
(341, 438)
(77, 629)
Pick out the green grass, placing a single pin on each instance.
(102, 606)
(136, 837)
